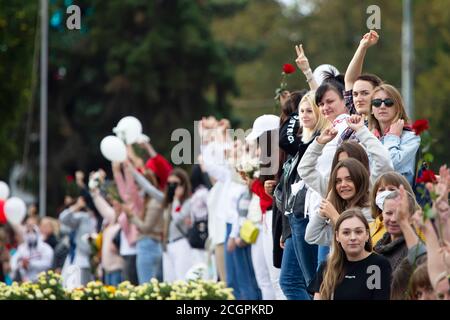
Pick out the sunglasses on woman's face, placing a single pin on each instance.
(388, 102)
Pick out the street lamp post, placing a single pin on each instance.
(43, 104)
(407, 59)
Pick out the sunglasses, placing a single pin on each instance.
(388, 102)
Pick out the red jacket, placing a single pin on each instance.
(265, 201)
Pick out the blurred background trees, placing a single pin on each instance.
(170, 62)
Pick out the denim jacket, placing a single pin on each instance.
(403, 152)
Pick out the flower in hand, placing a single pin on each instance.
(287, 69)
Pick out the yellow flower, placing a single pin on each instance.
(96, 292)
(53, 282)
(52, 297)
(110, 289)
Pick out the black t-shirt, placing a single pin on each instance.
(367, 279)
(288, 139)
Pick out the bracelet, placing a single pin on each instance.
(309, 75)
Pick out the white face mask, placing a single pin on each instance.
(31, 239)
(381, 196)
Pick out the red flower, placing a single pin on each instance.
(69, 179)
(420, 126)
(426, 176)
(288, 68)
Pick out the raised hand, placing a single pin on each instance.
(402, 213)
(115, 165)
(397, 127)
(355, 122)
(327, 135)
(369, 39)
(328, 210)
(301, 61)
(441, 205)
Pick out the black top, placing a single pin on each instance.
(367, 279)
(288, 139)
(52, 241)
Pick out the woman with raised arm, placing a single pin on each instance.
(388, 181)
(378, 158)
(359, 87)
(348, 188)
(389, 122)
(398, 208)
(303, 64)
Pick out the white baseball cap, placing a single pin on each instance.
(266, 122)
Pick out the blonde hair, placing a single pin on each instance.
(334, 271)
(54, 223)
(399, 105)
(321, 122)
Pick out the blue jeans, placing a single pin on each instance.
(148, 259)
(322, 255)
(306, 253)
(113, 278)
(292, 281)
(239, 272)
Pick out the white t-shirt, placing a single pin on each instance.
(125, 248)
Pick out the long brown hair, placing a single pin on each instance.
(354, 150)
(334, 271)
(399, 105)
(360, 178)
(184, 182)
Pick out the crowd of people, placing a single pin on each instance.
(334, 215)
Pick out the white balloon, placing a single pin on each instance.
(128, 129)
(113, 149)
(15, 210)
(143, 138)
(4, 190)
(319, 75)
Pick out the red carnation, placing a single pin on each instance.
(288, 68)
(426, 176)
(69, 179)
(420, 126)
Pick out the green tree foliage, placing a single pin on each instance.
(330, 31)
(170, 62)
(156, 60)
(17, 38)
